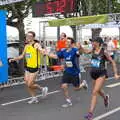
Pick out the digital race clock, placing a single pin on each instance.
(55, 6)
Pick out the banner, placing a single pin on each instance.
(5, 2)
(3, 48)
(79, 20)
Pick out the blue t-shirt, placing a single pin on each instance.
(71, 60)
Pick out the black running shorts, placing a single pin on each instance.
(31, 70)
(70, 79)
(95, 73)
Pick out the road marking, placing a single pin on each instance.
(107, 114)
(113, 85)
(21, 100)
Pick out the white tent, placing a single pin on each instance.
(107, 25)
(12, 33)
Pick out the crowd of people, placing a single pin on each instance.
(68, 52)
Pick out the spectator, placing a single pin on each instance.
(111, 48)
(62, 42)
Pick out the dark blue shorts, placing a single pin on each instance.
(70, 79)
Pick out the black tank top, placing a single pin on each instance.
(98, 60)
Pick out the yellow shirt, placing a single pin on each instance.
(32, 57)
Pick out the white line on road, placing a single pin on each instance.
(21, 100)
(113, 85)
(107, 114)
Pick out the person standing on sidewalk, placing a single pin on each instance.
(32, 53)
(61, 43)
(71, 69)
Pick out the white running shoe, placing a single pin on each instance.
(44, 91)
(85, 84)
(68, 104)
(33, 100)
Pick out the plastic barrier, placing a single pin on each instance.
(57, 68)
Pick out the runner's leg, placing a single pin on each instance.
(78, 85)
(97, 85)
(66, 94)
(65, 90)
(96, 88)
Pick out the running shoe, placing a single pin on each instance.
(85, 84)
(89, 116)
(33, 100)
(67, 104)
(106, 101)
(44, 91)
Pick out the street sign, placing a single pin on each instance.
(5, 2)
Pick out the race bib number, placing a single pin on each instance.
(95, 63)
(69, 64)
(28, 55)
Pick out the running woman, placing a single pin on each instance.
(71, 69)
(32, 53)
(99, 74)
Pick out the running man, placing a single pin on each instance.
(71, 69)
(99, 74)
(32, 53)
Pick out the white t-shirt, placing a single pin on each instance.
(110, 47)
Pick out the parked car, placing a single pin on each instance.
(13, 51)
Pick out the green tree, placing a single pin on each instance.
(16, 13)
(20, 11)
(95, 7)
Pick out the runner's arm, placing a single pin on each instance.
(83, 50)
(113, 64)
(51, 55)
(38, 46)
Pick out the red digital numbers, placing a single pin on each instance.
(61, 6)
(56, 6)
(48, 8)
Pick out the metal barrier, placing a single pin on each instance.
(41, 76)
(84, 62)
